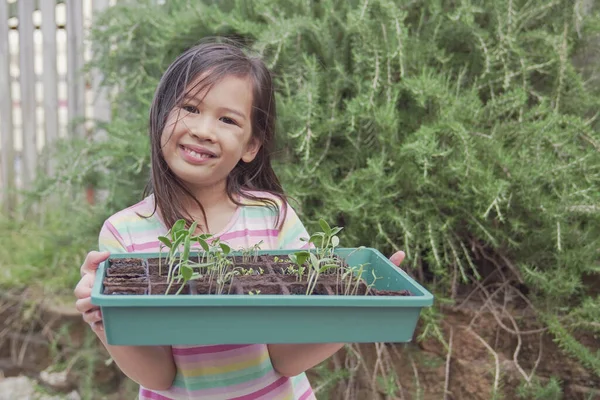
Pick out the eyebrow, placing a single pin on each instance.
(227, 109)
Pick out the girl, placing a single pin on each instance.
(212, 126)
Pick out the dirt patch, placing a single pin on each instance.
(424, 371)
(41, 335)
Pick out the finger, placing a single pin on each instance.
(92, 261)
(85, 305)
(93, 316)
(397, 258)
(84, 287)
(97, 327)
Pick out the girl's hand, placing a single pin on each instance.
(83, 290)
(397, 258)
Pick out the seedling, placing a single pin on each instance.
(299, 258)
(372, 284)
(351, 279)
(317, 267)
(246, 271)
(250, 254)
(215, 266)
(219, 272)
(256, 249)
(180, 266)
(326, 241)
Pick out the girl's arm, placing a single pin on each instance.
(293, 359)
(150, 366)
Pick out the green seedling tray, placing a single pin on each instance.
(249, 319)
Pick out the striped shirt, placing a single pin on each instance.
(217, 372)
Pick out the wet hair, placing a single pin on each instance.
(214, 59)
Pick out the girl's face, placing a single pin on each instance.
(209, 133)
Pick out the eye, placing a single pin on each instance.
(191, 109)
(229, 121)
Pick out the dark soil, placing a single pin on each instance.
(154, 268)
(126, 267)
(125, 290)
(260, 276)
(205, 288)
(161, 288)
(263, 289)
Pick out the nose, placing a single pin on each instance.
(201, 127)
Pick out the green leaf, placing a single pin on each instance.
(203, 244)
(325, 226)
(226, 249)
(180, 234)
(193, 228)
(177, 243)
(186, 272)
(301, 257)
(186, 248)
(196, 276)
(336, 230)
(335, 241)
(314, 260)
(178, 226)
(328, 266)
(165, 241)
(315, 236)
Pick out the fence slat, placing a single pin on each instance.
(27, 81)
(50, 74)
(6, 121)
(101, 102)
(75, 81)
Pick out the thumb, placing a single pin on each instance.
(93, 260)
(397, 258)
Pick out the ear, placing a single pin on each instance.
(252, 149)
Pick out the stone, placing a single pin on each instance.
(24, 388)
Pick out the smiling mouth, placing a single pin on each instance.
(197, 155)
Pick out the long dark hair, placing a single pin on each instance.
(217, 58)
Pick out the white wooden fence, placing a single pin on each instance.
(43, 47)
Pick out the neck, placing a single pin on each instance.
(209, 197)
(214, 200)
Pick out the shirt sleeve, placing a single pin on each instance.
(111, 240)
(292, 231)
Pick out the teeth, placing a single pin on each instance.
(197, 155)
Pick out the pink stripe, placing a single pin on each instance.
(263, 391)
(251, 233)
(143, 246)
(111, 228)
(208, 349)
(220, 358)
(146, 394)
(306, 394)
(283, 392)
